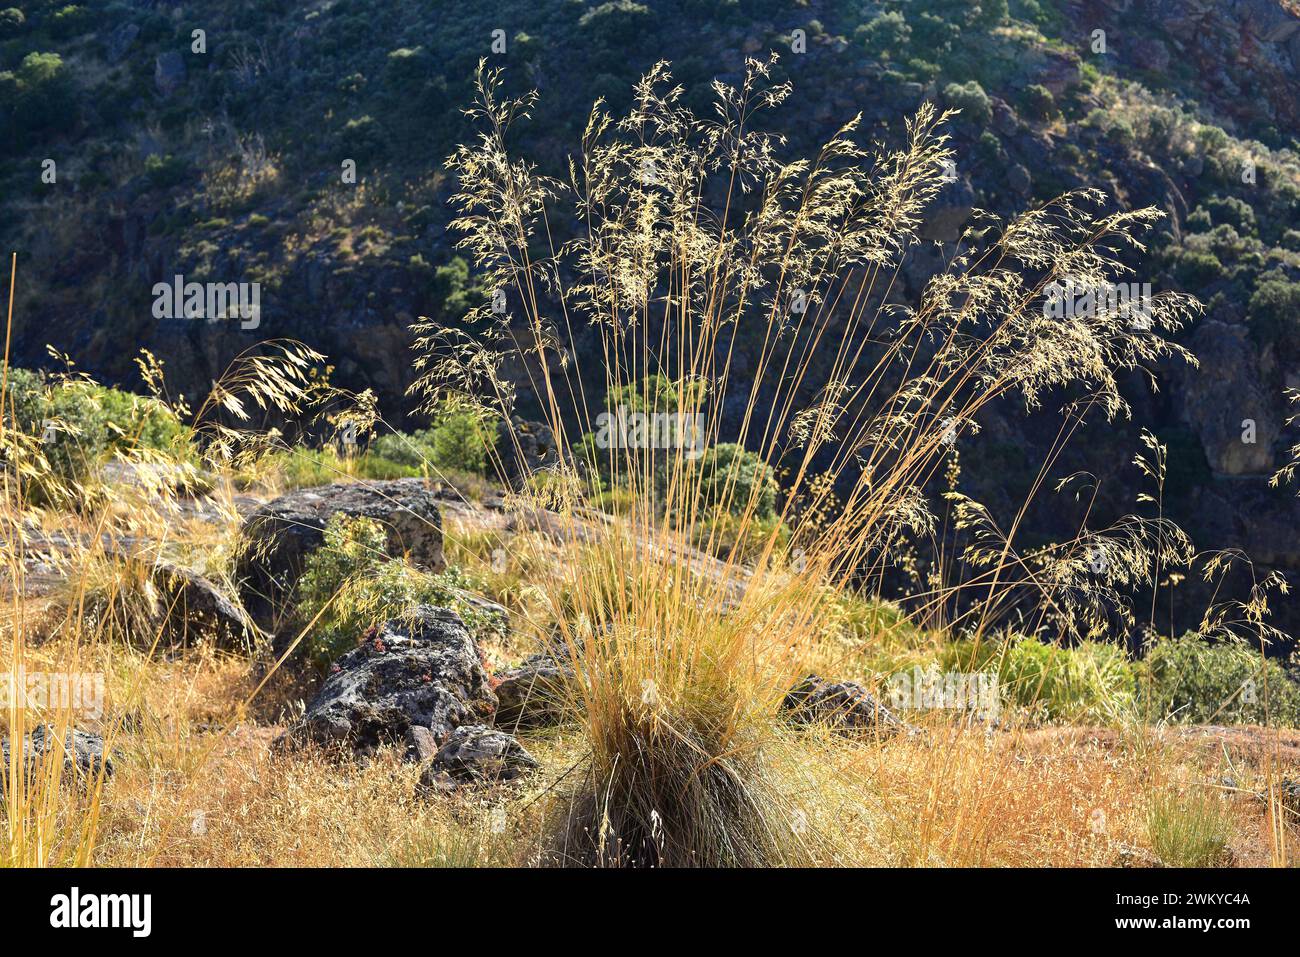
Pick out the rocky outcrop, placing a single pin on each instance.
(420, 687)
(281, 534)
(168, 72)
(1244, 54)
(476, 754)
(84, 756)
(843, 705)
(532, 695)
(425, 674)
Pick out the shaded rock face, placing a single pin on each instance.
(285, 531)
(949, 213)
(531, 695)
(844, 705)
(476, 754)
(525, 447)
(83, 752)
(120, 40)
(1245, 51)
(1226, 403)
(193, 606)
(425, 675)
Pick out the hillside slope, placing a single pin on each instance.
(222, 157)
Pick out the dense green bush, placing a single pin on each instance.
(164, 172)
(616, 22)
(1195, 269)
(1090, 682)
(1274, 314)
(1038, 102)
(361, 138)
(38, 95)
(12, 21)
(303, 467)
(652, 394)
(80, 422)
(886, 36)
(460, 438)
(1192, 680)
(1233, 211)
(70, 21)
(971, 99)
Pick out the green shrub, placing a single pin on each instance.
(38, 95)
(407, 66)
(80, 423)
(1091, 682)
(361, 138)
(1195, 269)
(70, 21)
(617, 22)
(721, 532)
(731, 477)
(657, 393)
(1190, 679)
(303, 467)
(971, 99)
(460, 439)
(352, 584)
(886, 36)
(164, 172)
(1235, 212)
(1274, 314)
(607, 461)
(1038, 102)
(12, 21)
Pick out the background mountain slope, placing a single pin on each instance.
(225, 165)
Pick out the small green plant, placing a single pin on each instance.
(352, 584)
(459, 439)
(1189, 830)
(1039, 102)
(302, 467)
(723, 533)
(738, 480)
(971, 99)
(37, 95)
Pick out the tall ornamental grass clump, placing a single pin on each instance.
(675, 244)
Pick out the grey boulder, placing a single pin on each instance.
(532, 695)
(83, 751)
(423, 674)
(476, 754)
(842, 705)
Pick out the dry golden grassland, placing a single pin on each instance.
(197, 785)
